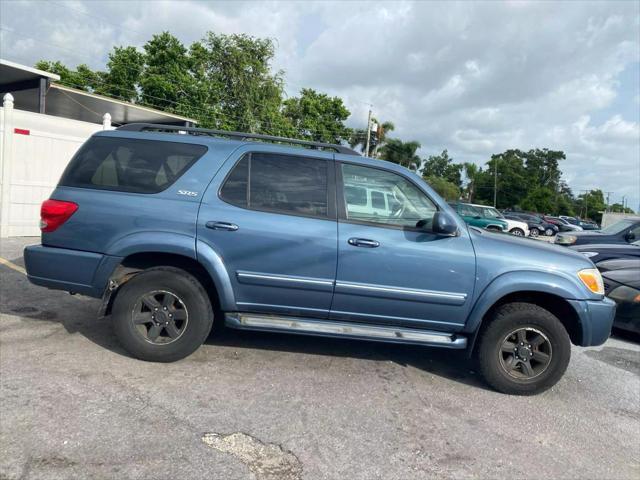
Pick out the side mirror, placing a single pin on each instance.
(444, 224)
(630, 236)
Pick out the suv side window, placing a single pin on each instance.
(279, 183)
(407, 203)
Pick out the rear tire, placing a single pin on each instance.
(524, 350)
(548, 232)
(534, 232)
(163, 314)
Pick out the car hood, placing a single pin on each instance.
(501, 253)
(604, 246)
(515, 223)
(629, 277)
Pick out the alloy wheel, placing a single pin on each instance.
(525, 353)
(160, 317)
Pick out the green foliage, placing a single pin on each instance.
(471, 171)
(377, 138)
(447, 190)
(590, 205)
(538, 199)
(402, 153)
(442, 166)
(318, 117)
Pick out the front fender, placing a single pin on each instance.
(521, 281)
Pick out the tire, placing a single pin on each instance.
(156, 340)
(518, 232)
(547, 358)
(534, 232)
(548, 232)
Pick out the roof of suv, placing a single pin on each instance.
(240, 137)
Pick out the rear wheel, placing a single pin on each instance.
(548, 232)
(162, 314)
(524, 350)
(518, 232)
(534, 232)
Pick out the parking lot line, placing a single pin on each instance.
(13, 266)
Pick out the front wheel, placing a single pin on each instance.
(518, 232)
(163, 314)
(524, 350)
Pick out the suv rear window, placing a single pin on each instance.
(126, 165)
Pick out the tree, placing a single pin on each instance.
(590, 205)
(82, 77)
(376, 140)
(442, 166)
(445, 189)
(124, 69)
(316, 116)
(471, 171)
(402, 153)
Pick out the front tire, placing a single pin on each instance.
(518, 232)
(524, 350)
(163, 314)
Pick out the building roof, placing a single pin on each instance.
(25, 84)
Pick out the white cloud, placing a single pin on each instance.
(472, 77)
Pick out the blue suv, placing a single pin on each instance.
(173, 227)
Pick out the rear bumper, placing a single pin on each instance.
(596, 320)
(75, 271)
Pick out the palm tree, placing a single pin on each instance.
(402, 153)
(359, 137)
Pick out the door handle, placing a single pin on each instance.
(363, 242)
(231, 227)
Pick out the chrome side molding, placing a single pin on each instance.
(306, 326)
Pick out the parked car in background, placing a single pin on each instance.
(562, 225)
(607, 251)
(624, 231)
(173, 226)
(548, 229)
(535, 228)
(622, 285)
(585, 225)
(519, 228)
(474, 217)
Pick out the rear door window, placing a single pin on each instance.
(279, 183)
(130, 165)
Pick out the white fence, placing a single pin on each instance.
(35, 150)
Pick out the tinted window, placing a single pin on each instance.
(140, 166)
(278, 183)
(407, 206)
(356, 195)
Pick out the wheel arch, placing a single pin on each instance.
(534, 288)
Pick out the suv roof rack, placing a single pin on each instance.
(154, 127)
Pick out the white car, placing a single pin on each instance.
(519, 229)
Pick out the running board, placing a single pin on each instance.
(305, 326)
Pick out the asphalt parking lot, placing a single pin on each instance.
(248, 405)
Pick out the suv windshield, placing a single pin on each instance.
(617, 227)
(491, 212)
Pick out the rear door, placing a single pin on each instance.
(271, 216)
(389, 271)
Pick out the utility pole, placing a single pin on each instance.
(608, 193)
(586, 203)
(495, 181)
(368, 134)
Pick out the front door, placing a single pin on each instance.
(390, 271)
(272, 218)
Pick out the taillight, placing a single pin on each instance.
(54, 213)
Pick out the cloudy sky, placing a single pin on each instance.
(473, 77)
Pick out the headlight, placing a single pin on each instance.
(625, 294)
(592, 280)
(566, 239)
(589, 254)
